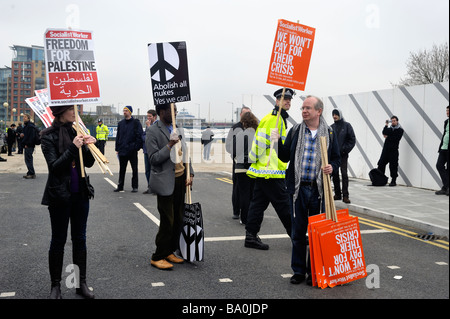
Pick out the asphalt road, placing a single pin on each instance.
(121, 240)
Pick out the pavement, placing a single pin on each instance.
(410, 206)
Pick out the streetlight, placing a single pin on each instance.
(12, 114)
(5, 105)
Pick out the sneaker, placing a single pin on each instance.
(29, 176)
(118, 190)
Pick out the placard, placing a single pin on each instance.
(169, 72)
(291, 55)
(71, 68)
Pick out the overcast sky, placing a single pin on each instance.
(360, 45)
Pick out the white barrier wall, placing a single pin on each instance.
(421, 111)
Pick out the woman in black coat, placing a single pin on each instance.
(66, 195)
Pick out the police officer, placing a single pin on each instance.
(102, 132)
(269, 172)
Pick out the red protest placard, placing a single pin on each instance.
(342, 252)
(71, 69)
(291, 55)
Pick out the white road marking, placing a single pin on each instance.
(147, 213)
(7, 294)
(393, 267)
(231, 238)
(111, 182)
(225, 280)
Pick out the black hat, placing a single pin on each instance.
(288, 93)
(100, 120)
(59, 109)
(336, 112)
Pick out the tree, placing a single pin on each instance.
(87, 119)
(426, 67)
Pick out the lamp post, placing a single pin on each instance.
(5, 105)
(12, 115)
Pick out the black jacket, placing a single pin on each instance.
(29, 131)
(57, 189)
(443, 134)
(344, 134)
(129, 136)
(393, 137)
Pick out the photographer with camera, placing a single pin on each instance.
(393, 134)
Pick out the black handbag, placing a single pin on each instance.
(90, 188)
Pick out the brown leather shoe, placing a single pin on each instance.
(174, 259)
(161, 264)
(346, 200)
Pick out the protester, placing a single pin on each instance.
(151, 118)
(19, 131)
(169, 181)
(304, 180)
(102, 133)
(28, 141)
(1, 147)
(230, 147)
(389, 154)
(207, 138)
(128, 143)
(442, 162)
(345, 136)
(245, 183)
(11, 138)
(269, 173)
(66, 195)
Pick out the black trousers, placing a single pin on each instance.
(391, 157)
(442, 167)
(337, 181)
(101, 146)
(171, 211)
(244, 189)
(29, 160)
(269, 191)
(123, 162)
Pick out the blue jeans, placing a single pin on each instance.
(76, 211)
(307, 204)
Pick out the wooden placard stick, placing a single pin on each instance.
(80, 150)
(188, 177)
(330, 208)
(272, 143)
(177, 146)
(92, 147)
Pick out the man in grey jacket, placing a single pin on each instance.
(168, 179)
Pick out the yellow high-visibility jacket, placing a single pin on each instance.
(102, 132)
(260, 151)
